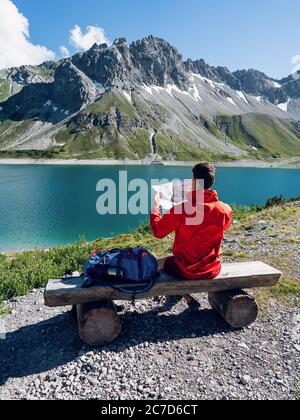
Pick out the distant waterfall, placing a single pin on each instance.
(153, 142)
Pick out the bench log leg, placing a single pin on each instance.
(98, 323)
(237, 307)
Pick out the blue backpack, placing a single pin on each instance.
(132, 265)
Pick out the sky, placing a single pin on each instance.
(239, 34)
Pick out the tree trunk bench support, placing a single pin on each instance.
(98, 321)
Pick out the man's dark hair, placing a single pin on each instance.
(206, 172)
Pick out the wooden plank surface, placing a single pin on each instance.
(68, 291)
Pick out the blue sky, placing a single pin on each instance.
(262, 34)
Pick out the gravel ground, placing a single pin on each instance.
(164, 351)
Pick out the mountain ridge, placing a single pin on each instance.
(133, 89)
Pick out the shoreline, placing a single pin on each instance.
(292, 163)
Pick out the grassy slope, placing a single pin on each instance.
(11, 130)
(108, 142)
(4, 89)
(22, 272)
(276, 243)
(273, 137)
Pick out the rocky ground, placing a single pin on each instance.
(164, 351)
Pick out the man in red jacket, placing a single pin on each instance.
(197, 247)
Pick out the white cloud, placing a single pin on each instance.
(296, 59)
(16, 48)
(296, 69)
(64, 51)
(84, 41)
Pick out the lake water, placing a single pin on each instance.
(42, 206)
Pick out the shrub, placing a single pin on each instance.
(276, 201)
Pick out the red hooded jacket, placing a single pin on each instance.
(197, 248)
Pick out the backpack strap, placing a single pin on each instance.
(137, 292)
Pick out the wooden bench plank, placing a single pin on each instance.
(68, 291)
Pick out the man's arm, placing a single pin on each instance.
(229, 217)
(163, 225)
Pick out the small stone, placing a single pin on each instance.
(280, 382)
(37, 383)
(104, 371)
(243, 346)
(245, 379)
(297, 347)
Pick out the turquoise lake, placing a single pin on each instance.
(43, 206)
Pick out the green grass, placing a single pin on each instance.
(97, 143)
(139, 142)
(4, 89)
(237, 255)
(5, 125)
(4, 311)
(297, 394)
(273, 137)
(63, 136)
(14, 130)
(52, 153)
(242, 213)
(112, 100)
(288, 287)
(172, 147)
(287, 290)
(44, 72)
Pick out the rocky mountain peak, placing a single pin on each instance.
(120, 41)
(159, 63)
(77, 88)
(151, 61)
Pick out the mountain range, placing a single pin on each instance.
(143, 101)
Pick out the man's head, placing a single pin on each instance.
(205, 172)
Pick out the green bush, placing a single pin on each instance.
(32, 269)
(276, 201)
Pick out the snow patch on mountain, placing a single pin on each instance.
(127, 96)
(50, 104)
(276, 85)
(210, 83)
(194, 91)
(284, 107)
(231, 101)
(242, 96)
(148, 89)
(98, 85)
(196, 76)
(176, 88)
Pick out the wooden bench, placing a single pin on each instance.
(99, 323)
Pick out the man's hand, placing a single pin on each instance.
(156, 203)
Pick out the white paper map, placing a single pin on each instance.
(173, 193)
